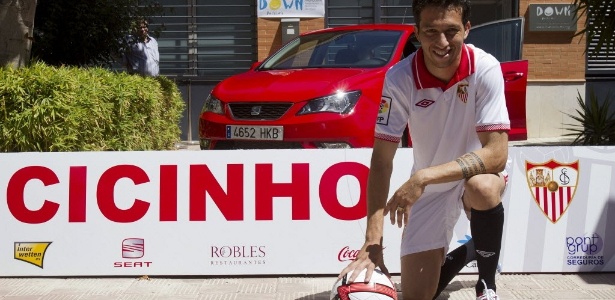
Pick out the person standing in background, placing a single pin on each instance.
(142, 57)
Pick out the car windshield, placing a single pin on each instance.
(336, 49)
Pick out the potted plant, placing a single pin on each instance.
(596, 126)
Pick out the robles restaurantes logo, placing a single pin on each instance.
(238, 255)
(31, 252)
(552, 185)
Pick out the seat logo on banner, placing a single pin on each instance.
(552, 185)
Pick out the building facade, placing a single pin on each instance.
(203, 41)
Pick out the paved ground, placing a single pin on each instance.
(511, 286)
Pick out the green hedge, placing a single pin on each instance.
(44, 108)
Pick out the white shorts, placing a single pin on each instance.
(432, 220)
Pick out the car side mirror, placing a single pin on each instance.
(255, 65)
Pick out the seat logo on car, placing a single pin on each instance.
(256, 110)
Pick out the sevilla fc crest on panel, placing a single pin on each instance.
(552, 185)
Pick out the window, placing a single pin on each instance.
(352, 12)
(601, 63)
(397, 12)
(338, 49)
(206, 39)
(349, 12)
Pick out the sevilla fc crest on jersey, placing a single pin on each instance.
(552, 185)
(462, 91)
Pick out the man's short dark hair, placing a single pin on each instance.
(419, 5)
(138, 23)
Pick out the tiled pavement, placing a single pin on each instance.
(510, 286)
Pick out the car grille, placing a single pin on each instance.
(232, 145)
(258, 111)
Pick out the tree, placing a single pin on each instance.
(16, 25)
(85, 33)
(599, 22)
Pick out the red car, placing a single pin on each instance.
(322, 89)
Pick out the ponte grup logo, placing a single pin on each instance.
(552, 185)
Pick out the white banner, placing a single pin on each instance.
(242, 212)
(290, 8)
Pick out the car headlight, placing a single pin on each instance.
(212, 104)
(341, 102)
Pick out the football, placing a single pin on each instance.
(380, 287)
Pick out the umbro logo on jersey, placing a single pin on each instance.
(425, 102)
(485, 253)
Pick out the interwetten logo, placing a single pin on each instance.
(552, 185)
(31, 252)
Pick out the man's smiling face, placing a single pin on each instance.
(441, 32)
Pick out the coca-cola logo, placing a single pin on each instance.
(346, 254)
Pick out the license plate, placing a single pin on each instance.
(270, 133)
